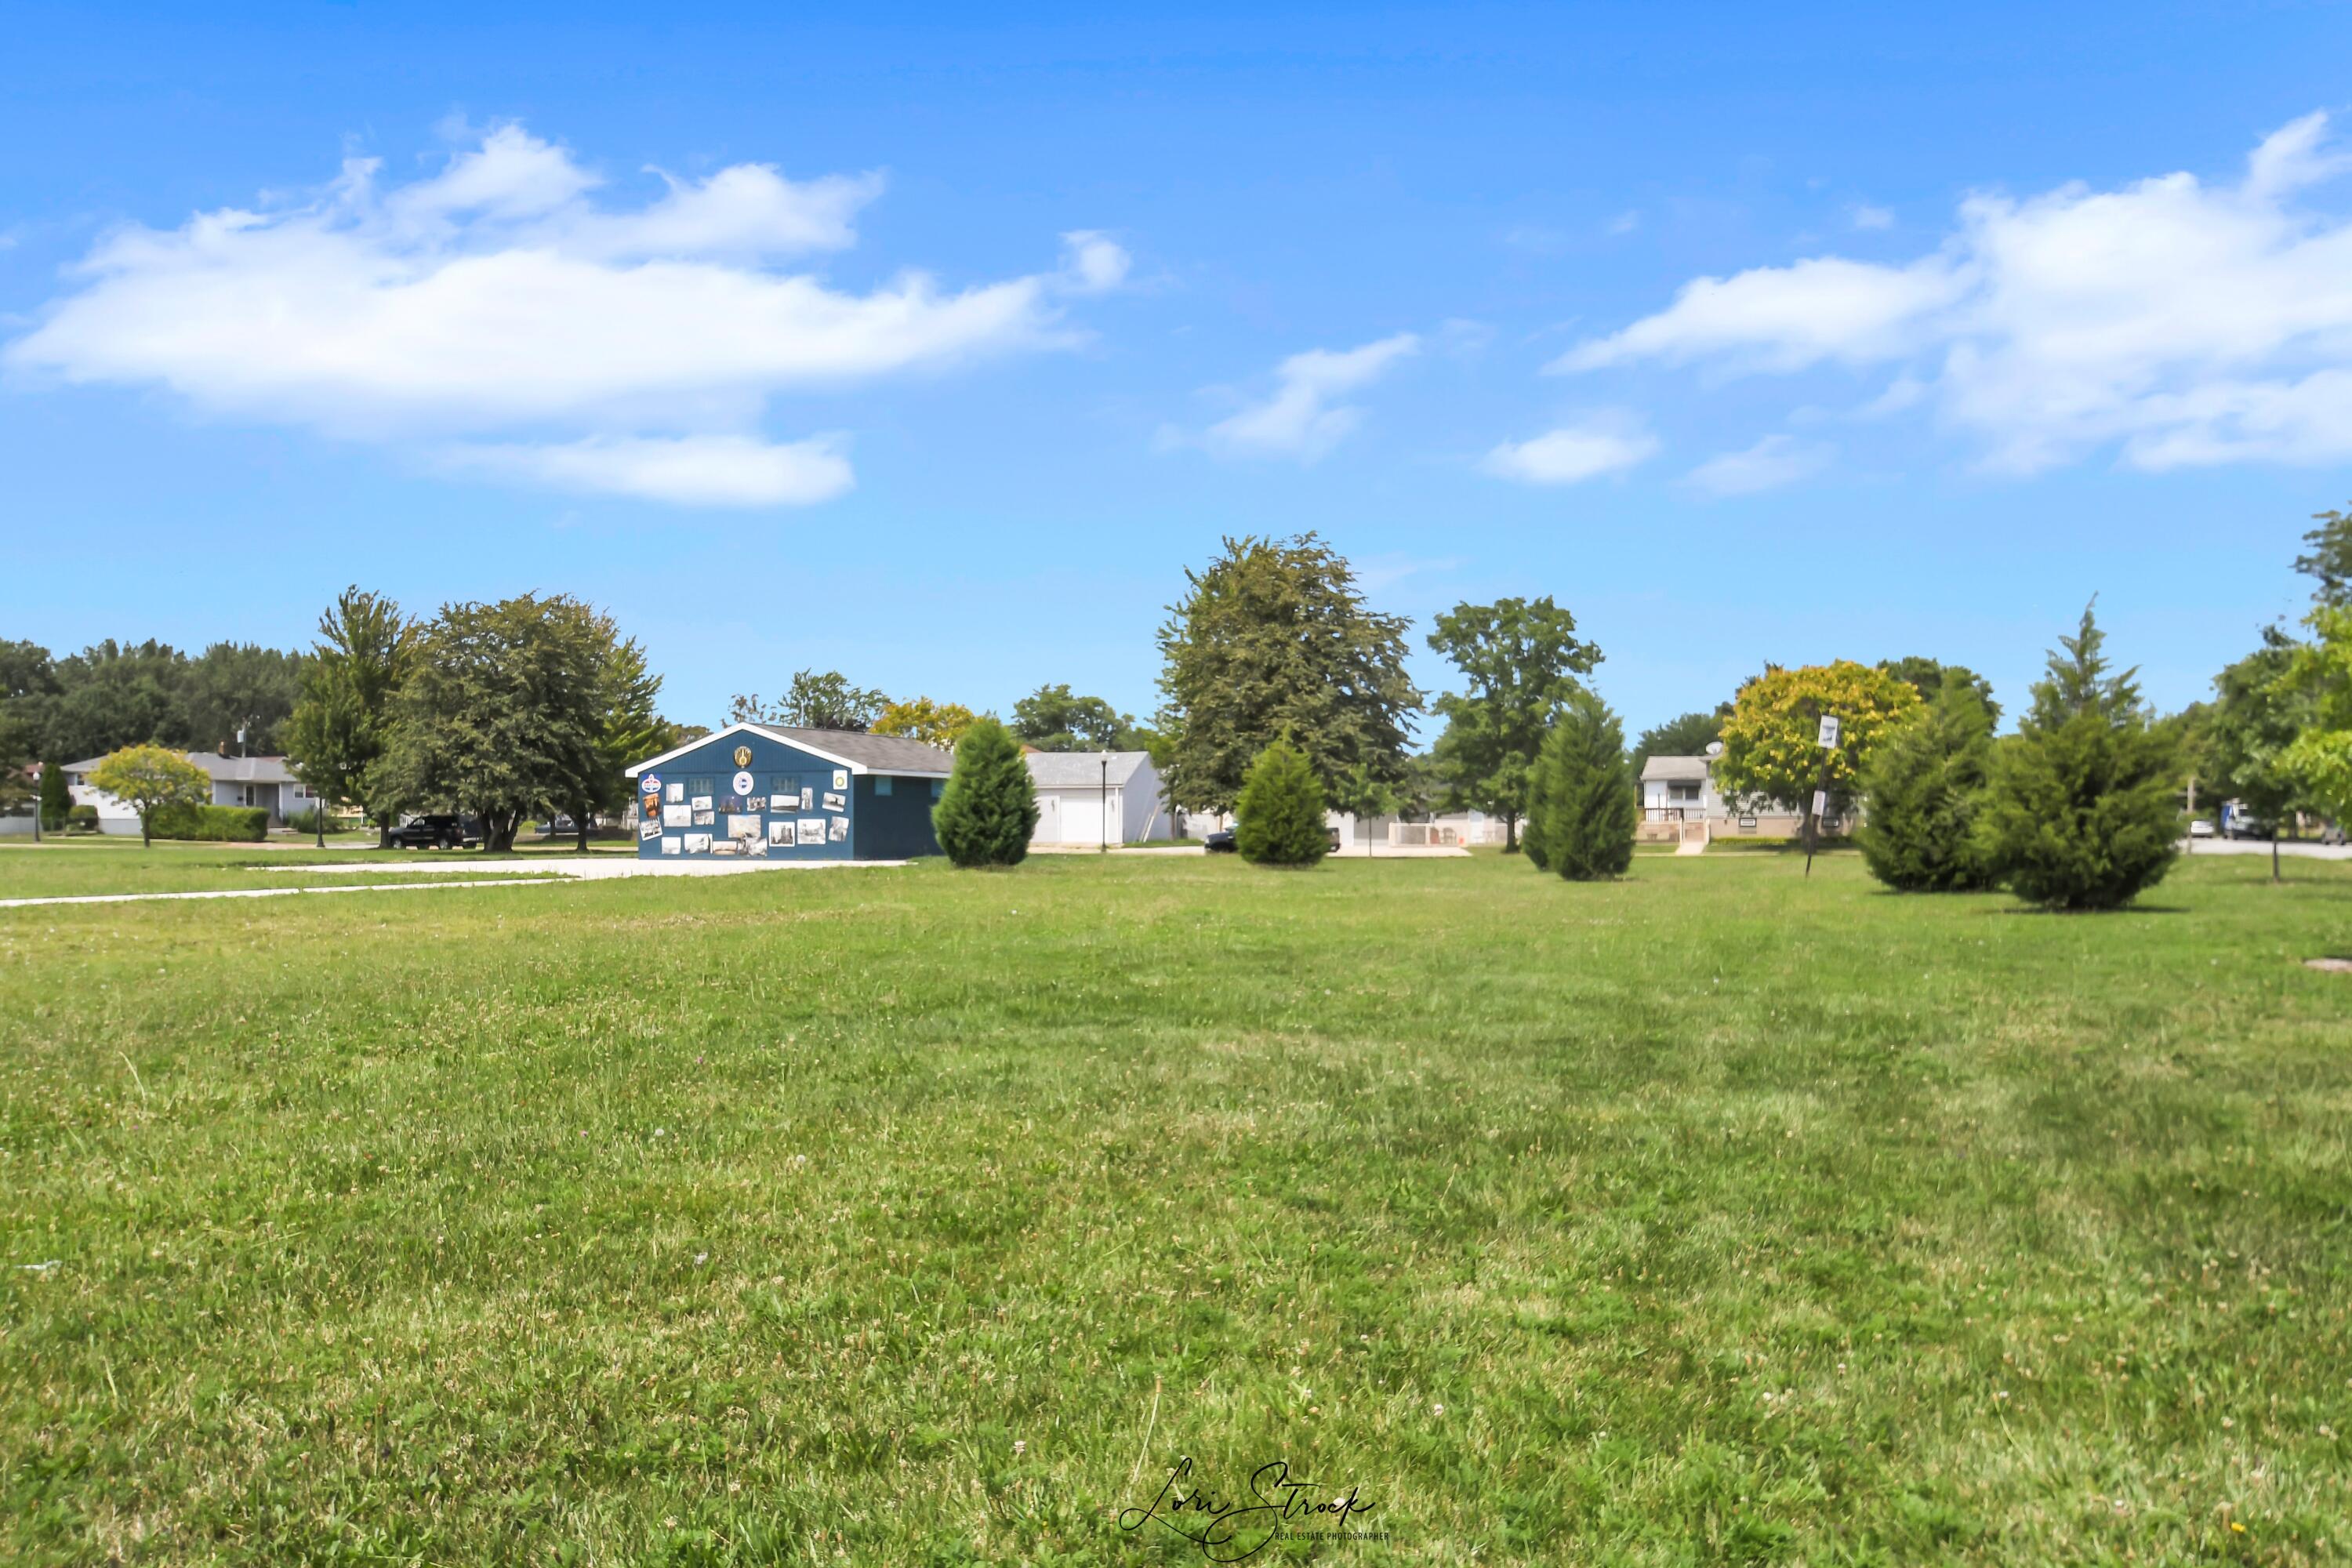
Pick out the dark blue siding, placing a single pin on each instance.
(897, 826)
(775, 769)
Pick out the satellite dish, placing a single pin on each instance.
(1715, 748)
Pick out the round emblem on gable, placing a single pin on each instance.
(649, 784)
(742, 756)
(745, 783)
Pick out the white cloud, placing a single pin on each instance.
(1573, 453)
(1865, 215)
(1784, 317)
(2173, 320)
(687, 470)
(1301, 419)
(1096, 264)
(1772, 462)
(494, 299)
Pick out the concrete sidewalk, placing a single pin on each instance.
(572, 868)
(2288, 848)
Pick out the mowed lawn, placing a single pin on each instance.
(1719, 1214)
(103, 866)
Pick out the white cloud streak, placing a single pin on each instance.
(687, 470)
(494, 298)
(2173, 321)
(1573, 453)
(1772, 462)
(1302, 419)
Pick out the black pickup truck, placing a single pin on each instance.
(437, 832)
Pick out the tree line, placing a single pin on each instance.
(81, 705)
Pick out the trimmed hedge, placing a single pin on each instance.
(82, 819)
(212, 824)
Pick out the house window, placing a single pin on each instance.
(882, 784)
(698, 786)
(939, 789)
(783, 784)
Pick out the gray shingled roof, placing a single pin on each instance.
(1676, 769)
(236, 770)
(1083, 769)
(882, 754)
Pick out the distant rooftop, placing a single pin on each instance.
(236, 770)
(1083, 769)
(1675, 769)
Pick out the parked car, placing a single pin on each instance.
(437, 832)
(2201, 828)
(2333, 833)
(1222, 841)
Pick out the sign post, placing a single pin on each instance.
(1827, 739)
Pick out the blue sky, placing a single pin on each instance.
(935, 351)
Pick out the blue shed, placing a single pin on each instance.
(766, 791)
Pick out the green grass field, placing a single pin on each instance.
(1720, 1215)
(77, 867)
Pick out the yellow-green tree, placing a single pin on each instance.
(2320, 758)
(1770, 742)
(941, 724)
(148, 778)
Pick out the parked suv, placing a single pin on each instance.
(437, 832)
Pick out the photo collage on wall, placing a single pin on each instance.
(757, 814)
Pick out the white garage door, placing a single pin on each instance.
(1069, 816)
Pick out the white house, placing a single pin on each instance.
(1679, 800)
(236, 781)
(1098, 797)
(1679, 789)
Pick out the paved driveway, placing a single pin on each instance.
(2303, 848)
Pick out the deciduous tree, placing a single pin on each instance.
(941, 724)
(632, 730)
(2328, 560)
(1053, 719)
(2258, 712)
(1519, 659)
(240, 686)
(341, 723)
(2320, 758)
(1687, 736)
(1929, 677)
(1273, 638)
(149, 778)
(1770, 741)
(505, 711)
(818, 700)
(112, 695)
